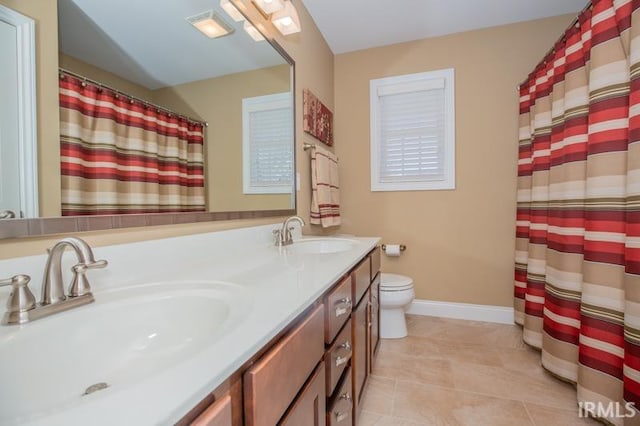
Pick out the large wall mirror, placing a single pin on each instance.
(149, 55)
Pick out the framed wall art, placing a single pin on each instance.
(318, 119)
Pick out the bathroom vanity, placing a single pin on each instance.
(316, 371)
(210, 329)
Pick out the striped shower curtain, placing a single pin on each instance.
(120, 156)
(577, 279)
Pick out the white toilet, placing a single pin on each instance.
(396, 292)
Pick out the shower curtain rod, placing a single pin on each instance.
(564, 33)
(120, 92)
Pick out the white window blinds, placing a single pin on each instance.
(267, 144)
(412, 144)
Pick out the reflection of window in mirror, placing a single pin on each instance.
(267, 137)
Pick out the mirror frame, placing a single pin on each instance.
(14, 228)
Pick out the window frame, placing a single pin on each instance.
(262, 103)
(448, 75)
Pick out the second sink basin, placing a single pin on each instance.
(128, 335)
(322, 245)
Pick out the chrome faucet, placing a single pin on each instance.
(21, 306)
(283, 235)
(52, 288)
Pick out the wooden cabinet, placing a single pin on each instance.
(218, 414)
(271, 385)
(338, 304)
(309, 407)
(361, 279)
(359, 326)
(315, 371)
(338, 357)
(375, 262)
(340, 412)
(374, 325)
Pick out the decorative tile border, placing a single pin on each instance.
(14, 228)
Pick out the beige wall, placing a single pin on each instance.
(218, 101)
(108, 78)
(460, 243)
(314, 70)
(45, 15)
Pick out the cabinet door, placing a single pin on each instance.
(273, 382)
(337, 357)
(361, 279)
(375, 262)
(374, 340)
(309, 407)
(340, 411)
(218, 414)
(360, 323)
(338, 304)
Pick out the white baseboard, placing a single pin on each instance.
(465, 311)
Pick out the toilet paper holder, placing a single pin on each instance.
(402, 247)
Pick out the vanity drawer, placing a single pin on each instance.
(218, 414)
(338, 305)
(361, 279)
(341, 411)
(337, 357)
(375, 262)
(309, 408)
(272, 384)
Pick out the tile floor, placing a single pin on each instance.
(454, 372)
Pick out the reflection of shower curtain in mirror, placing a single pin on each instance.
(120, 156)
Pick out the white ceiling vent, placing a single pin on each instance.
(210, 24)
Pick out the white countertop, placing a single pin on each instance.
(280, 285)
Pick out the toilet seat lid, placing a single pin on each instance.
(395, 282)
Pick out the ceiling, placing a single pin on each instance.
(349, 25)
(149, 42)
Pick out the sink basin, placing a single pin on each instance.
(322, 245)
(128, 335)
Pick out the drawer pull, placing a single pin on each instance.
(341, 415)
(342, 310)
(346, 397)
(344, 359)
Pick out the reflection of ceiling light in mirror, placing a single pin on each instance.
(253, 32)
(210, 24)
(270, 6)
(286, 20)
(231, 10)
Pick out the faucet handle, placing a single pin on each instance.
(80, 285)
(20, 300)
(98, 264)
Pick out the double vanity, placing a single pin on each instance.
(220, 329)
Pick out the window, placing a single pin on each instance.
(413, 132)
(267, 144)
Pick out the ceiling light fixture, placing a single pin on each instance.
(286, 20)
(231, 10)
(269, 6)
(210, 24)
(253, 31)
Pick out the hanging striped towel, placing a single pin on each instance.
(325, 188)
